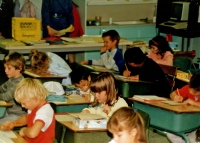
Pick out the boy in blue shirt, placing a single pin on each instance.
(111, 55)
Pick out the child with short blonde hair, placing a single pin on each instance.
(40, 119)
(14, 65)
(106, 94)
(127, 126)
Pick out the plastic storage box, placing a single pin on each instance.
(26, 28)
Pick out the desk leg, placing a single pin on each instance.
(185, 137)
(188, 43)
(182, 44)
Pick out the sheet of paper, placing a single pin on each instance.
(172, 103)
(5, 140)
(149, 97)
(64, 118)
(88, 116)
(76, 98)
(31, 74)
(9, 134)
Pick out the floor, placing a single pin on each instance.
(157, 138)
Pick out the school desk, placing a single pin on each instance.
(127, 88)
(42, 77)
(69, 106)
(19, 139)
(75, 135)
(3, 106)
(175, 119)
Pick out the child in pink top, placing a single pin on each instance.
(161, 53)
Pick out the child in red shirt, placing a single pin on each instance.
(40, 119)
(190, 92)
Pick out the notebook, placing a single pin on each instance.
(149, 98)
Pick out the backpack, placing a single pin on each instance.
(28, 10)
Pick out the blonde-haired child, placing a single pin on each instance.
(127, 126)
(14, 65)
(40, 119)
(106, 94)
(50, 63)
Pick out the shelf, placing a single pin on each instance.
(118, 2)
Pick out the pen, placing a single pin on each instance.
(178, 92)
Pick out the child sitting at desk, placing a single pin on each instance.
(50, 63)
(81, 78)
(126, 126)
(40, 119)
(105, 93)
(139, 67)
(161, 52)
(191, 93)
(14, 65)
(111, 55)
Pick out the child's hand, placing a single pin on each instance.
(126, 73)
(48, 72)
(136, 77)
(189, 102)
(84, 62)
(87, 97)
(22, 130)
(7, 126)
(178, 98)
(107, 109)
(103, 49)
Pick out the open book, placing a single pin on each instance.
(149, 98)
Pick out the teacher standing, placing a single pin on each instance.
(57, 18)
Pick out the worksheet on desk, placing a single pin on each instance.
(9, 134)
(64, 118)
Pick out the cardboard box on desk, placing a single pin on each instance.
(87, 120)
(182, 75)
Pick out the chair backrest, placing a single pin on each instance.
(183, 63)
(170, 72)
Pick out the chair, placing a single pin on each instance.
(183, 63)
(170, 72)
(146, 118)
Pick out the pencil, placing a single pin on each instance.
(126, 67)
(189, 72)
(178, 92)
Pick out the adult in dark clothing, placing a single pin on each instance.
(140, 67)
(57, 16)
(6, 14)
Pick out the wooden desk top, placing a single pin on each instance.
(68, 47)
(29, 72)
(68, 124)
(5, 104)
(71, 102)
(177, 109)
(19, 139)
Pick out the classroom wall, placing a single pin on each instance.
(121, 12)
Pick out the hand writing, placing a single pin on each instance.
(7, 126)
(178, 98)
(84, 62)
(126, 73)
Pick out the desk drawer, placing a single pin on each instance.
(170, 121)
